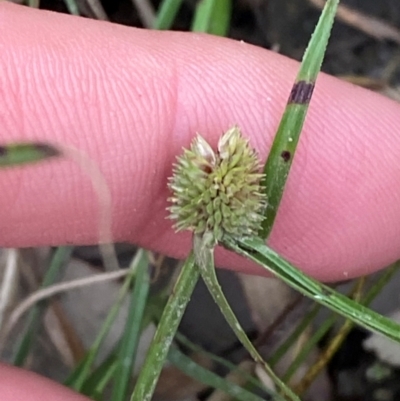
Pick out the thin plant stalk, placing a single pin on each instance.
(167, 13)
(284, 347)
(58, 262)
(283, 149)
(207, 271)
(20, 153)
(209, 378)
(72, 7)
(166, 329)
(212, 16)
(131, 336)
(256, 250)
(81, 374)
(253, 381)
(341, 335)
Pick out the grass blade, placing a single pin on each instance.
(58, 261)
(251, 380)
(78, 378)
(285, 346)
(256, 250)
(284, 146)
(99, 379)
(207, 272)
(15, 154)
(212, 16)
(329, 351)
(72, 7)
(130, 339)
(166, 329)
(167, 13)
(34, 3)
(205, 376)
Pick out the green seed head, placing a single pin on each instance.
(218, 192)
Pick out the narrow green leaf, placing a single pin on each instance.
(78, 378)
(167, 13)
(131, 337)
(251, 380)
(306, 348)
(284, 146)
(330, 321)
(205, 376)
(58, 262)
(285, 346)
(212, 16)
(256, 250)
(72, 7)
(205, 258)
(14, 154)
(166, 329)
(34, 3)
(101, 376)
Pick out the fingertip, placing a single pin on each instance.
(18, 384)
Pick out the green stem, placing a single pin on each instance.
(282, 152)
(205, 258)
(78, 378)
(205, 376)
(256, 250)
(167, 13)
(58, 261)
(166, 330)
(130, 340)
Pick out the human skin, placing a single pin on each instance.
(131, 99)
(19, 385)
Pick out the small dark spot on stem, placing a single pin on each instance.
(47, 150)
(286, 155)
(247, 249)
(3, 151)
(301, 92)
(207, 169)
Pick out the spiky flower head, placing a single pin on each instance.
(218, 193)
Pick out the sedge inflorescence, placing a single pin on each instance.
(218, 193)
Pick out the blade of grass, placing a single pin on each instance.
(205, 256)
(205, 376)
(279, 161)
(166, 329)
(77, 379)
(14, 154)
(167, 13)
(341, 335)
(34, 3)
(212, 16)
(130, 340)
(98, 380)
(326, 354)
(284, 347)
(72, 7)
(308, 347)
(312, 342)
(253, 381)
(256, 250)
(58, 262)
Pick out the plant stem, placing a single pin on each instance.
(166, 330)
(207, 271)
(256, 250)
(130, 340)
(283, 149)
